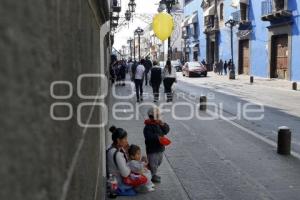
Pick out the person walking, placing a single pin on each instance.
(153, 130)
(169, 79)
(122, 72)
(221, 63)
(148, 66)
(155, 80)
(225, 67)
(138, 80)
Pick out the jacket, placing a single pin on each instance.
(156, 75)
(152, 131)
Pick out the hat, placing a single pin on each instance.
(151, 111)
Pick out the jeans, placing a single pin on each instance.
(155, 88)
(139, 88)
(155, 160)
(168, 82)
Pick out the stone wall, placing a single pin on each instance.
(42, 41)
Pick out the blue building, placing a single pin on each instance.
(191, 31)
(265, 36)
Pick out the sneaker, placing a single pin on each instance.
(155, 179)
(151, 189)
(142, 99)
(152, 185)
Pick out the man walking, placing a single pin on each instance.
(148, 66)
(221, 67)
(155, 80)
(225, 67)
(138, 80)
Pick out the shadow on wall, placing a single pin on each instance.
(293, 5)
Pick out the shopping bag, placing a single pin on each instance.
(164, 141)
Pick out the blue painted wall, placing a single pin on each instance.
(259, 55)
(189, 9)
(294, 5)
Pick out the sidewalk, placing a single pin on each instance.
(170, 187)
(260, 81)
(270, 92)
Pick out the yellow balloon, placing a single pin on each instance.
(163, 25)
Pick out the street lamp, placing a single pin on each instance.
(131, 6)
(127, 15)
(231, 24)
(168, 5)
(130, 42)
(139, 32)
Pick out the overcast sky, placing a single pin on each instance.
(143, 7)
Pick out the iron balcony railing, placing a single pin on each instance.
(266, 7)
(116, 5)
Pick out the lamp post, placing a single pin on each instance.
(231, 23)
(130, 49)
(167, 5)
(131, 6)
(159, 45)
(134, 46)
(139, 32)
(127, 15)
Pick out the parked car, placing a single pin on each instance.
(194, 69)
(177, 65)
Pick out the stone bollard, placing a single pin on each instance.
(284, 141)
(251, 79)
(203, 101)
(294, 85)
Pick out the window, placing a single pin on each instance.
(209, 21)
(221, 12)
(195, 57)
(188, 30)
(279, 5)
(195, 25)
(244, 12)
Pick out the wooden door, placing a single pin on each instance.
(244, 57)
(279, 66)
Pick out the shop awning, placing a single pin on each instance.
(193, 19)
(185, 21)
(210, 11)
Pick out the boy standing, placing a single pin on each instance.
(154, 129)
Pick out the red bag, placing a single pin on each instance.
(164, 141)
(135, 180)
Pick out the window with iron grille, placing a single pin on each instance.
(244, 12)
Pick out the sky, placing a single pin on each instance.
(142, 7)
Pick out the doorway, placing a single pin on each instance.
(279, 57)
(244, 57)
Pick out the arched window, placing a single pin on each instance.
(221, 11)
